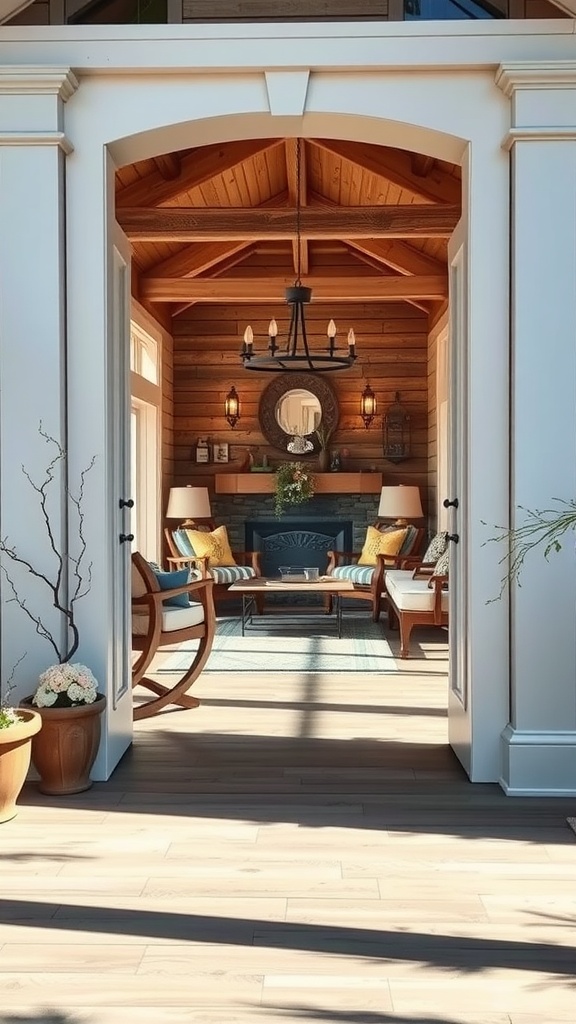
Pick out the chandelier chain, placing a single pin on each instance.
(288, 356)
(298, 186)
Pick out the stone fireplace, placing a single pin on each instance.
(297, 541)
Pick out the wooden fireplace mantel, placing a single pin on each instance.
(325, 483)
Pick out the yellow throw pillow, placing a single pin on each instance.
(378, 542)
(215, 545)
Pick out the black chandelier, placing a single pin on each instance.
(295, 354)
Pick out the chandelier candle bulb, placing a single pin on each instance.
(331, 332)
(351, 343)
(248, 342)
(272, 334)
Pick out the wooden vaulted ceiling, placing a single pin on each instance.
(375, 222)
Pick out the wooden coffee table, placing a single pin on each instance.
(249, 589)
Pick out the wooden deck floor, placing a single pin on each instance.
(299, 849)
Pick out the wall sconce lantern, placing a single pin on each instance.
(396, 432)
(232, 407)
(367, 405)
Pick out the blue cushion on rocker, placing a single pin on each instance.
(359, 574)
(168, 580)
(231, 573)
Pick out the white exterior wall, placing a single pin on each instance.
(539, 746)
(32, 355)
(177, 87)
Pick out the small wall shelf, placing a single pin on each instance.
(325, 483)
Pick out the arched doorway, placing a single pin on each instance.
(422, 124)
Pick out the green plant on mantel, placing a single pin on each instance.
(294, 485)
(543, 527)
(323, 434)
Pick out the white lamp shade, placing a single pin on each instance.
(188, 503)
(400, 502)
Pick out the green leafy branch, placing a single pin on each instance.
(543, 529)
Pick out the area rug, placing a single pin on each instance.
(293, 643)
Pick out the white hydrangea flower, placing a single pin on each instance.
(44, 697)
(73, 680)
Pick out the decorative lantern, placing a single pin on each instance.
(232, 407)
(367, 405)
(396, 432)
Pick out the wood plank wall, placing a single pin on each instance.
(432, 434)
(392, 356)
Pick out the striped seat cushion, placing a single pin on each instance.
(361, 575)
(231, 573)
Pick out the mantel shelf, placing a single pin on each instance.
(325, 483)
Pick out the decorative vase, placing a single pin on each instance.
(324, 460)
(15, 749)
(65, 749)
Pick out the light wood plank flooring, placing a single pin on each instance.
(299, 849)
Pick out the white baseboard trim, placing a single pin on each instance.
(538, 763)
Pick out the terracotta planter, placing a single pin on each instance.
(64, 751)
(15, 749)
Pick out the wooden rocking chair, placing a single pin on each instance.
(156, 625)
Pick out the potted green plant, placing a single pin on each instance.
(294, 485)
(66, 698)
(17, 727)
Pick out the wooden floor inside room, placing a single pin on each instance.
(301, 848)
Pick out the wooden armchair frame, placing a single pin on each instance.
(178, 561)
(407, 619)
(155, 639)
(375, 591)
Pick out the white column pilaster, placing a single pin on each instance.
(539, 745)
(32, 347)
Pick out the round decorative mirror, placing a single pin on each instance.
(298, 412)
(296, 405)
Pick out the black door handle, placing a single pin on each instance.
(454, 537)
(447, 503)
(125, 537)
(126, 503)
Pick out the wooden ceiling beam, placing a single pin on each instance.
(300, 258)
(169, 165)
(421, 165)
(397, 255)
(197, 259)
(198, 225)
(197, 167)
(395, 166)
(377, 265)
(270, 289)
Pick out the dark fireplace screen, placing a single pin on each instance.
(298, 542)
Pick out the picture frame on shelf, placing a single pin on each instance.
(221, 452)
